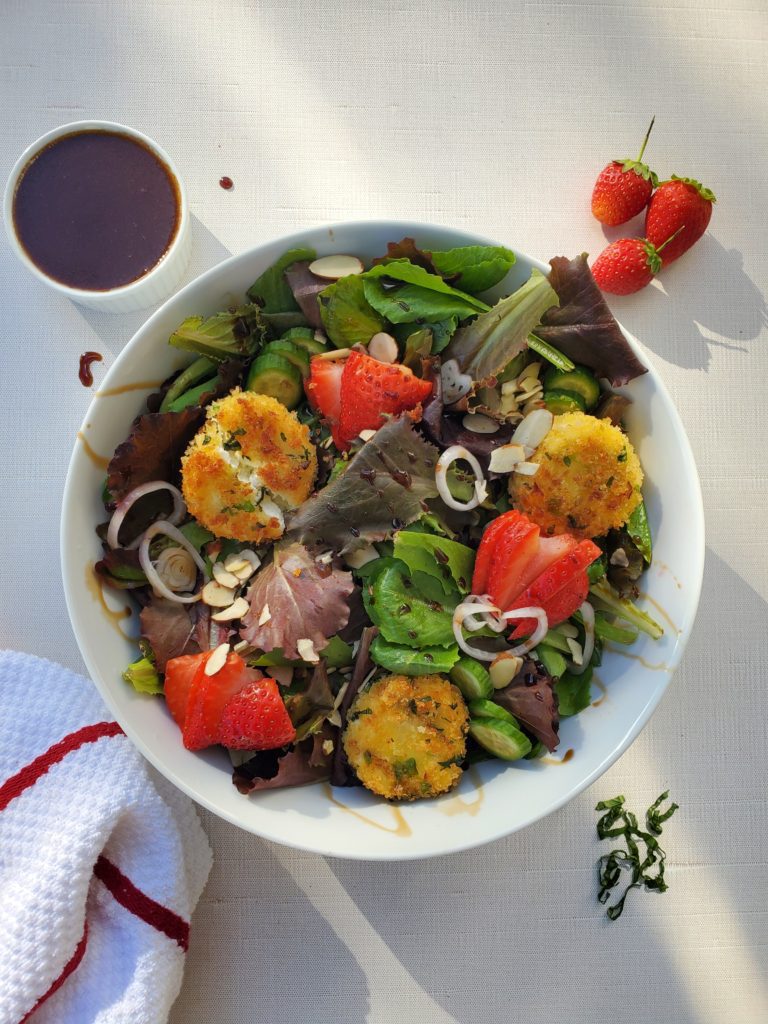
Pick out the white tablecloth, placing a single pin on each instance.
(494, 116)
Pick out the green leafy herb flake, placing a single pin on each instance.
(405, 769)
(616, 822)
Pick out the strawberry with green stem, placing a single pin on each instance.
(629, 264)
(682, 206)
(623, 188)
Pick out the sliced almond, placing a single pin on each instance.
(503, 669)
(235, 611)
(217, 660)
(366, 435)
(283, 674)
(506, 457)
(481, 490)
(576, 650)
(226, 579)
(383, 347)
(619, 557)
(265, 616)
(321, 337)
(252, 561)
(336, 266)
(327, 747)
(527, 468)
(217, 596)
(361, 556)
(307, 652)
(334, 353)
(232, 563)
(240, 646)
(480, 424)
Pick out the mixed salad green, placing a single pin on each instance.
(382, 524)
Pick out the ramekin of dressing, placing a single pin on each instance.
(98, 212)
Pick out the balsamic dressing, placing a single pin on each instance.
(96, 210)
(84, 373)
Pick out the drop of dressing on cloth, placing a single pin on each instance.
(96, 210)
(84, 373)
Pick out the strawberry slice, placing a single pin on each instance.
(209, 696)
(566, 574)
(550, 550)
(487, 548)
(179, 676)
(515, 549)
(256, 718)
(370, 388)
(323, 391)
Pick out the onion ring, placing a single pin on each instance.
(124, 506)
(164, 526)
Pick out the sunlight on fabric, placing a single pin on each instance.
(384, 972)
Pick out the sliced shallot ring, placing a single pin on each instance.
(489, 619)
(538, 634)
(449, 456)
(124, 506)
(163, 526)
(588, 615)
(463, 611)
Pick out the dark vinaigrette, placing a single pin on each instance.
(96, 210)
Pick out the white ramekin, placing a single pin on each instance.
(154, 286)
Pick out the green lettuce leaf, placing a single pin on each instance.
(424, 339)
(347, 316)
(409, 273)
(474, 268)
(574, 692)
(486, 345)
(405, 616)
(445, 560)
(639, 530)
(271, 291)
(234, 334)
(408, 303)
(410, 662)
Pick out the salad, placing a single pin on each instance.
(382, 524)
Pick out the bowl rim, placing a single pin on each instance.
(74, 128)
(694, 579)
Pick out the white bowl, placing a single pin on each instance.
(493, 799)
(158, 283)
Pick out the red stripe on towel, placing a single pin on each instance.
(31, 772)
(143, 906)
(72, 964)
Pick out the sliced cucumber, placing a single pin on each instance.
(191, 397)
(500, 738)
(310, 346)
(288, 350)
(472, 679)
(271, 374)
(294, 333)
(487, 709)
(579, 379)
(559, 401)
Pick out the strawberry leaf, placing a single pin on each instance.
(705, 193)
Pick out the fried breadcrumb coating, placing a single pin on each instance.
(249, 463)
(405, 736)
(588, 481)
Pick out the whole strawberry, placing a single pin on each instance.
(680, 205)
(623, 188)
(627, 265)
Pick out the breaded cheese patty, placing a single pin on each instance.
(249, 463)
(406, 736)
(588, 481)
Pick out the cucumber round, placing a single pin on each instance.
(579, 380)
(559, 401)
(472, 679)
(271, 374)
(288, 350)
(304, 337)
(500, 738)
(487, 709)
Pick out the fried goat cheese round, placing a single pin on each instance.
(588, 481)
(406, 736)
(248, 464)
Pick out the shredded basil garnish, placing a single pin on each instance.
(618, 821)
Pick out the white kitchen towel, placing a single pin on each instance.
(101, 864)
